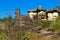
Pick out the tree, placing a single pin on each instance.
(4, 19)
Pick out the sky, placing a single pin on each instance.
(8, 7)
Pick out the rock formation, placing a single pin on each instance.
(22, 21)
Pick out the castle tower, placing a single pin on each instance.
(17, 17)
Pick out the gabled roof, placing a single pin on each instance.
(31, 10)
(37, 10)
(53, 10)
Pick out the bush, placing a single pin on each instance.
(42, 23)
(57, 24)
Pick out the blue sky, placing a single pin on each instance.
(7, 7)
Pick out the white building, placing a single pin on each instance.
(38, 13)
(43, 14)
(52, 14)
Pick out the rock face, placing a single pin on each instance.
(22, 21)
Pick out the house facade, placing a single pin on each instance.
(52, 14)
(43, 14)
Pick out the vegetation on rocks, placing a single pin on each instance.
(57, 24)
(9, 30)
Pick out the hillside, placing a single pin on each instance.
(23, 28)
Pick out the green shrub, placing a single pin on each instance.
(42, 23)
(57, 24)
(2, 37)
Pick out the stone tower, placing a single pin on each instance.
(17, 12)
(17, 17)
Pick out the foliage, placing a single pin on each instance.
(43, 23)
(4, 19)
(57, 24)
(7, 19)
(2, 37)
